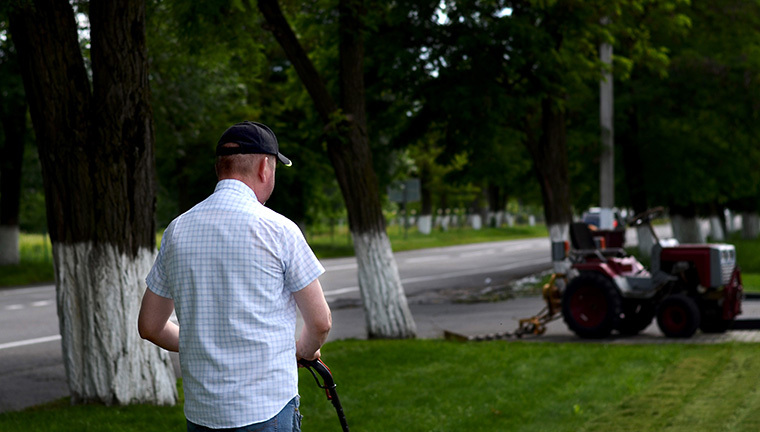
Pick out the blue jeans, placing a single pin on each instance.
(287, 420)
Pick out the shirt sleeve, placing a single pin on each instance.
(157, 280)
(301, 265)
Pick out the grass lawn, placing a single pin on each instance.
(748, 258)
(36, 266)
(435, 385)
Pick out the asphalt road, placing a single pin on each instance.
(425, 272)
(31, 366)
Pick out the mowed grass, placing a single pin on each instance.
(435, 385)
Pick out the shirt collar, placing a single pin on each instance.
(237, 186)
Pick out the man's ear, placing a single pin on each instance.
(262, 169)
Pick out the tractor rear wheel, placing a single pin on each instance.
(591, 305)
(712, 318)
(678, 316)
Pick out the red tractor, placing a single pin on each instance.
(687, 287)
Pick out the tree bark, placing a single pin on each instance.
(633, 170)
(633, 165)
(750, 225)
(383, 298)
(96, 151)
(497, 203)
(425, 219)
(11, 159)
(686, 225)
(549, 154)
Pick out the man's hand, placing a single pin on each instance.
(300, 357)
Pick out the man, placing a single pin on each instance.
(235, 271)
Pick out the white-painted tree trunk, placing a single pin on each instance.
(9, 254)
(445, 221)
(645, 239)
(731, 221)
(687, 230)
(510, 220)
(425, 224)
(476, 222)
(675, 226)
(386, 309)
(99, 291)
(560, 233)
(716, 229)
(499, 219)
(750, 225)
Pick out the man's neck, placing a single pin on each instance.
(251, 183)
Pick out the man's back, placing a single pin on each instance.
(231, 266)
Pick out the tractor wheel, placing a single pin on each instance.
(712, 319)
(637, 316)
(591, 305)
(678, 316)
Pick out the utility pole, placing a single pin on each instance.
(607, 160)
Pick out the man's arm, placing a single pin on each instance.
(153, 322)
(317, 320)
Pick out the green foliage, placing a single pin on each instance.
(31, 203)
(437, 84)
(198, 91)
(451, 87)
(696, 125)
(213, 66)
(32, 213)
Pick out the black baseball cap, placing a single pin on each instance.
(251, 137)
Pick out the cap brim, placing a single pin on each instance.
(285, 161)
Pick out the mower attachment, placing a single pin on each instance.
(318, 367)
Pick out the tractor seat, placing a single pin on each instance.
(583, 242)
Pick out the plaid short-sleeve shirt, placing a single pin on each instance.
(231, 266)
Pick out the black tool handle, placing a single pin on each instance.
(329, 385)
(320, 368)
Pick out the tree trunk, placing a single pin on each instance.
(11, 159)
(96, 151)
(549, 154)
(750, 225)
(686, 225)
(497, 203)
(383, 297)
(687, 229)
(646, 240)
(425, 219)
(717, 223)
(633, 170)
